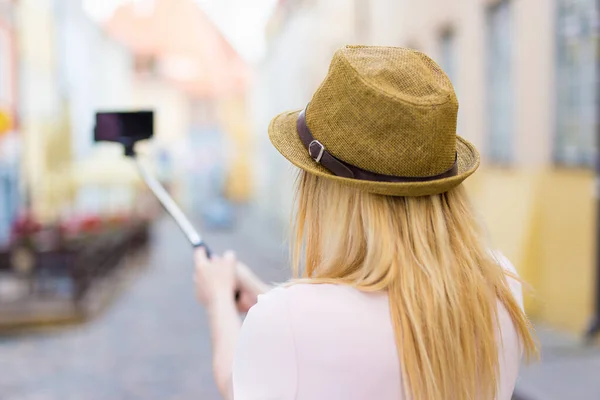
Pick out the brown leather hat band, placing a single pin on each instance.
(319, 153)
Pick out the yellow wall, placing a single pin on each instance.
(544, 222)
(567, 246)
(233, 117)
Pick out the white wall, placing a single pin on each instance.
(69, 70)
(297, 61)
(39, 100)
(95, 72)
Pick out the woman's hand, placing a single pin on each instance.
(220, 277)
(249, 287)
(215, 278)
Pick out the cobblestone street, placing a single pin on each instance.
(151, 343)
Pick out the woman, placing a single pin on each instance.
(397, 295)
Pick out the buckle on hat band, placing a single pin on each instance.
(343, 169)
(321, 150)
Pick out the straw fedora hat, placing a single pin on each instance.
(382, 121)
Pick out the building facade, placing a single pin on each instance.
(525, 73)
(9, 137)
(526, 78)
(69, 69)
(302, 34)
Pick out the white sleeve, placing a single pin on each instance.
(515, 285)
(264, 366)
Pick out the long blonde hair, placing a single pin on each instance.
(430, 255)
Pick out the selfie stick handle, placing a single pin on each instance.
(171, 207)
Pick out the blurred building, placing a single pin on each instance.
(302, 35)
(526, 78)
(68, 70)
(96, 73)
(197, 83)
(525, 74)
(9, 138)
(58, 67)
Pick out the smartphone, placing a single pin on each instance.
(125, 127)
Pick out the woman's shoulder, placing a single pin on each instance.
(285, 309)
(306, 304)
(512, 275)
(308, 293)
(504, 262)
(292, 293)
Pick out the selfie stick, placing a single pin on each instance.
(170, 206)
(167, 202)
(115, 126)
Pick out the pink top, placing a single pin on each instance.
(323, 342)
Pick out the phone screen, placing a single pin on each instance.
(124, 127)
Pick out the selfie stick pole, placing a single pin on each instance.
(170, 206)
(167, 202)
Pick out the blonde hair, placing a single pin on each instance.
(430, 255)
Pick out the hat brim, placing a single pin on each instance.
(283, 135)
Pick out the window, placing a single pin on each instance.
(8, 203)
(362, 15)
(448, 54)
(449, 63)
(576, 82)
(499, 83)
